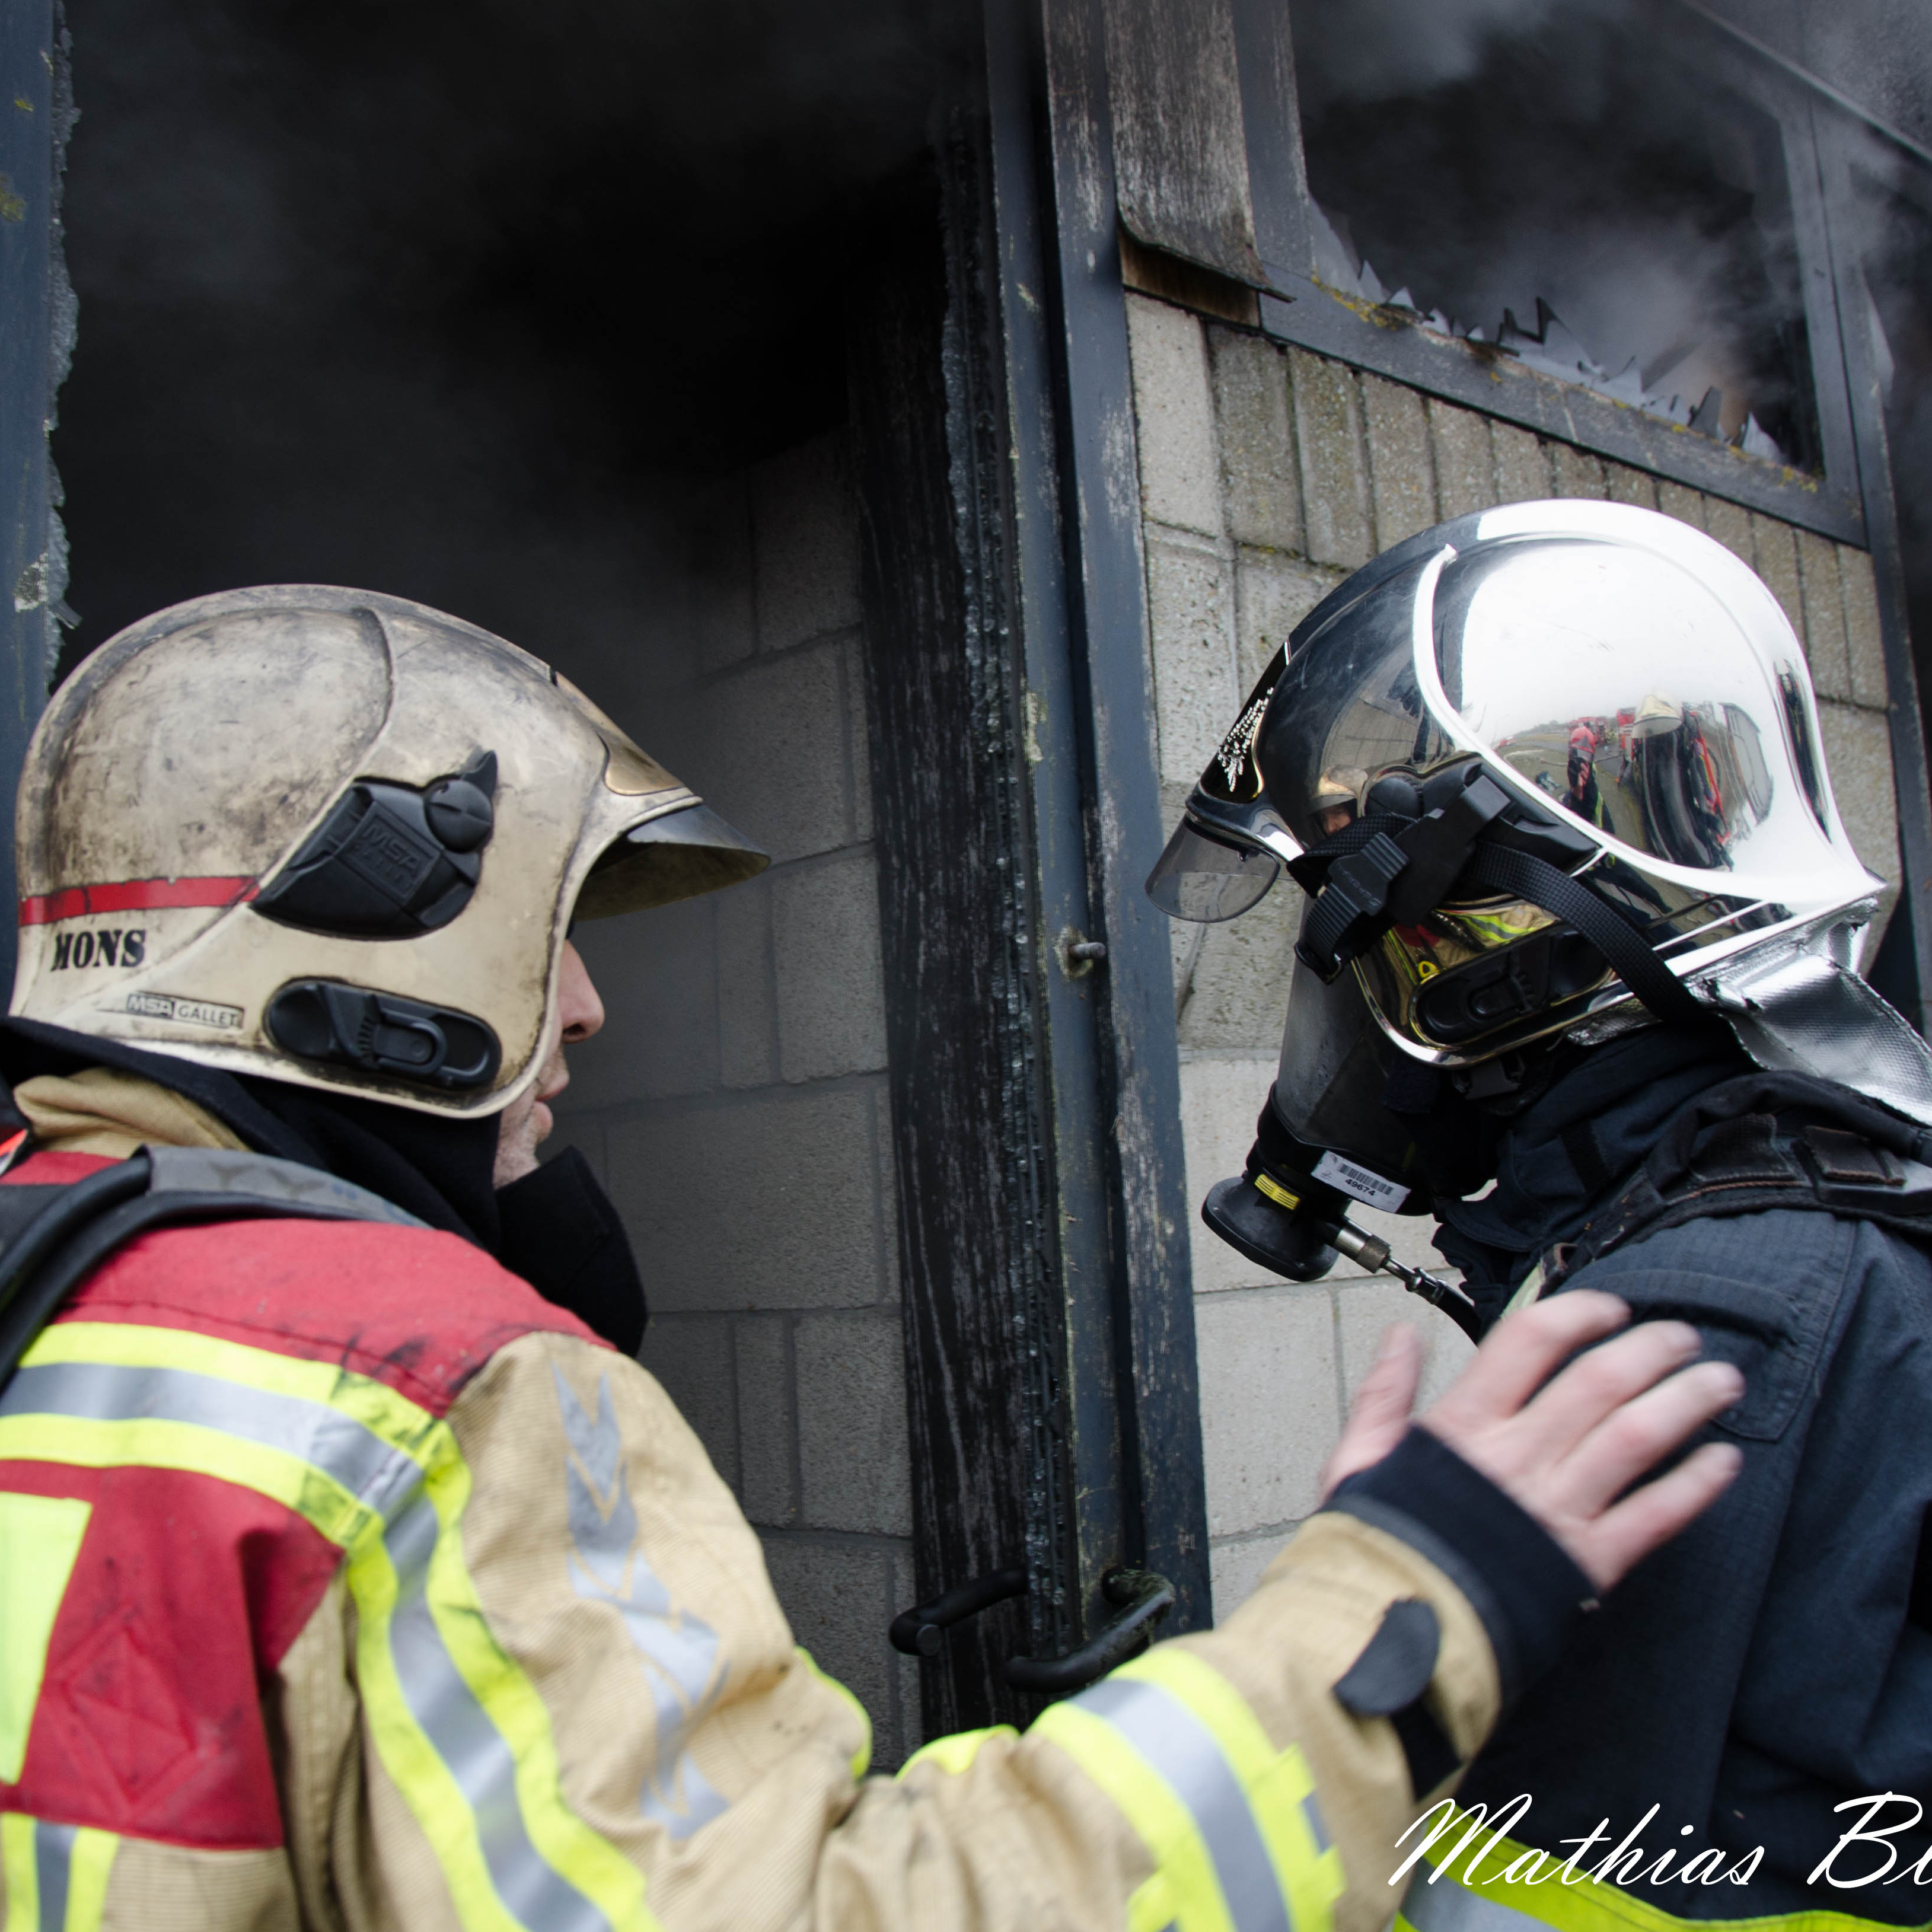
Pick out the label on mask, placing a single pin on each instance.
(1363, 1184)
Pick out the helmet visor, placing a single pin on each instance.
(1206, 879)
(1348, 710)
(676, 855)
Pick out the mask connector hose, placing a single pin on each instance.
(1369, 1251)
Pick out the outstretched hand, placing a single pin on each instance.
(1566, 1452)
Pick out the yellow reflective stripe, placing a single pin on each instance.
(88, 1872)
(511, 1703)
(1589, 1905)
(17, 1862)
(1182, 1891)
(56, 1875)
(861, 1758)
(1279, 1786)
(1231, 1822)
(196, 1450)
(41, 1536)
(559, 1872)
(955, 1753)
(428, 1786)
(1531, 1289)
(404, 1424)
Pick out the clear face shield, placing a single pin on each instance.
(1207, 878)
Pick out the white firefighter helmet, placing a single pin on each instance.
(336, 838)
(1591, 784)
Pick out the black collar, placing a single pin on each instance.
(439, 1170)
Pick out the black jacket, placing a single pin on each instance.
(1775, 1661)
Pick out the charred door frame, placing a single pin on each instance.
(1052, 1393)
(36, 336)
(1301, 310)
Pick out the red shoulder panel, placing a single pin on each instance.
(186, 1594)
(420, 1310)
(187, 1590)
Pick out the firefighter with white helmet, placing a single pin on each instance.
(1587, 940)
(350, 1577)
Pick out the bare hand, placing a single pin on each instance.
(1566, 1452)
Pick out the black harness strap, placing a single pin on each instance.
(1629, 954)
(78, 1226)
(1765, 1141)
(1359, 880)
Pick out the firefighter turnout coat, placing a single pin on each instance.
(1754, 1703)
(344, 1583)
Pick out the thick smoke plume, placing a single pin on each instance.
(1496, 160)
(457, 300)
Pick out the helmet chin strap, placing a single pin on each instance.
(1630, 956)
(1388, 870)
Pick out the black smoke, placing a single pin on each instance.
(456, 300)
(1487, 153)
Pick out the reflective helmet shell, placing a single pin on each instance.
(177, 774)
(1620, 674)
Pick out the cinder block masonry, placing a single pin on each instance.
(737, 1107)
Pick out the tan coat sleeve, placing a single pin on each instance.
(664, 1725)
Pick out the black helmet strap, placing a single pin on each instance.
(1630, 956)
(1387, 870)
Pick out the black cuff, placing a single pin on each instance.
(1518, 1577)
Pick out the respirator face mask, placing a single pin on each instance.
(1548, 772)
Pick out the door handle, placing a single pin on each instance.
(1143, 1597)
(917, 1632)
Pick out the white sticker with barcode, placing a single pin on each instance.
(1363, 1184)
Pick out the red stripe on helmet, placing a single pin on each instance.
(132, 896)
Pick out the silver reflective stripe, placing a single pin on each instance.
(53, 1861)
(679, 1651)
(1317, 1827)
(369, 1468)
(477, 1755)
(389, 1483)
(1447, 1907)
(261, 1177)
(1182, 1749)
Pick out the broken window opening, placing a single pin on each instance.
(1896, 249)
(1554, 183)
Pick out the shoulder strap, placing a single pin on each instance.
(81, 1225)
(1764, 1141)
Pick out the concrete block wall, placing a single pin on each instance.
(1268, 475)
(736, 1107)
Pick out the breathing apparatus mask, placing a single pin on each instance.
(1545, 774)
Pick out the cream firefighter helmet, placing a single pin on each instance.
(337, 838)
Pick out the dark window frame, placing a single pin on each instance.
(1303, 313)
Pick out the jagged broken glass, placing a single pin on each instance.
(1511, 159)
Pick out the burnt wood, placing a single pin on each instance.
(1180, 161)
(36, 337)
(1149, 1319)
(971, 1118)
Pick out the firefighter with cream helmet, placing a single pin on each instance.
(1630, 1011)
(347, 1578)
